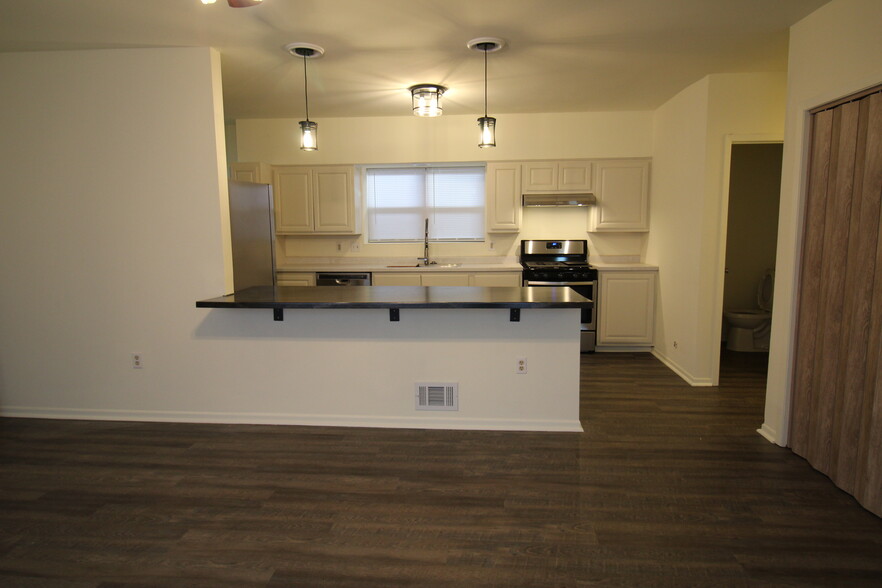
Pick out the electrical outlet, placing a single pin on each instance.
(521, 366)
(355, 246)
(137, 361)
(676, 345)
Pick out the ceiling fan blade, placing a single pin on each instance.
(243, 3)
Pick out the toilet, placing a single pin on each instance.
(749, 330)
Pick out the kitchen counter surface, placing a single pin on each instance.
(624, 267)
(398, 265)
(397, 297)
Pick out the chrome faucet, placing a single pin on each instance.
(425, 257)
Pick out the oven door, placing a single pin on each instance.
(589, 315)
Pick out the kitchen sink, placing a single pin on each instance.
(430, 266)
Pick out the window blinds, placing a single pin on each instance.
(399, 200)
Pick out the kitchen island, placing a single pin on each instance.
(364, 355)
(395, 298)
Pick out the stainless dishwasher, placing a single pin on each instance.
(343, 278)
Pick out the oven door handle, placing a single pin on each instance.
(532, 283)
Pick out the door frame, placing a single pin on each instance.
(717, 329)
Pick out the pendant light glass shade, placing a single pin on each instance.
(426, 99)
(308, 135)
(487, 124)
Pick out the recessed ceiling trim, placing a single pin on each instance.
(307, 50)
(486, 44)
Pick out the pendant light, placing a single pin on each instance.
(426, 99)
(487, 124)
(308, 128)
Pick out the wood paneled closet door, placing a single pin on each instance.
(836, 416)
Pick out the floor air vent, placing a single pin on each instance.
(437, 396)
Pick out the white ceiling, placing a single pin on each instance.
(562, 55)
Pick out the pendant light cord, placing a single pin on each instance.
(485, 82)
(306, 88)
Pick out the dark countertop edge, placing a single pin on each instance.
(397, 297)
(381, 305)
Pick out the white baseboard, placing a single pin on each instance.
(769, 433)
(674, 367)
(295, 419)
(623, 348)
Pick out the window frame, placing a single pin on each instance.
(427, 207)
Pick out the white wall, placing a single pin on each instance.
(834, 52)
(405, 139)
(687, 221)
(676, 207)
(409, 139)
(113, 226)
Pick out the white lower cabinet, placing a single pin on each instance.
(395, 279)
(430, 278)
(495, 279)
(295, 279)
(445, 279)
(627, 309)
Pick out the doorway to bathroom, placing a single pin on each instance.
(754, 187)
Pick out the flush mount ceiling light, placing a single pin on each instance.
(427, 99)
(308, 129)
(487, 124)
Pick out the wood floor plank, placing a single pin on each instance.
(669, 485)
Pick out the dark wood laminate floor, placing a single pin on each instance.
(668, 486)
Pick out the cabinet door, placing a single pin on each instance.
(540, 176)
(250, 172)
(491, 279)
(503, 191)
(333, 200)
(292, 190)
(627, 308)
(622, 197)
(295, 279)
(396, 279)
(445, 279)
(575, 176)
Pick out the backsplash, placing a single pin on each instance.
(538, 223)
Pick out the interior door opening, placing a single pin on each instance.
(750, 249)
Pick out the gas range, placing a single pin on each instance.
(561, 263)
(549, 264)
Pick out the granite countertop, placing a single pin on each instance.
(394, 297)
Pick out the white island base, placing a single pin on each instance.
(355, 367)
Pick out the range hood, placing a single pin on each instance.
(583, 199)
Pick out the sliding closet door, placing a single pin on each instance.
(836, 421)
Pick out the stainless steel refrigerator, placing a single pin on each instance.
(252, 230)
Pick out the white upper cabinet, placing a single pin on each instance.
(558, 176)
(312, 200)
(256, 172)
(334, 199)
(622, 192)
(503, 191)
